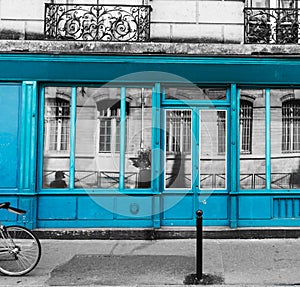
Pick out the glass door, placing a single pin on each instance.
(195, 162)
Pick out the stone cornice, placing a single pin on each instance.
(149, 48)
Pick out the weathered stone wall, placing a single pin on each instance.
(171, 20)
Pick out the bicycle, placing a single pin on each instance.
(20, 249)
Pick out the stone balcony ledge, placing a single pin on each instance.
(148, 48)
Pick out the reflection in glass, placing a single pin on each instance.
(139, 138)
(213, 149)
(178, 149)
(192, 92)
(56, 159)
(285, 139)
(97, 137)
(252, 139)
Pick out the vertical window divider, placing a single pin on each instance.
(235, 155)
(122, 139)
(41, 138)
(156, 161)
(155, 138)
(72, 139)
(268, 139)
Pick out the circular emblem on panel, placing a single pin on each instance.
(134, 208)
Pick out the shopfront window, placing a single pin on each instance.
(139, 138)
(252, 119)
(97, 158)
(285, 138)
(213, 149)
(56, 137)
(178, 124)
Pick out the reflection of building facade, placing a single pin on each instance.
(145, 132)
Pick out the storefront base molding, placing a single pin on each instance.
(168, 233)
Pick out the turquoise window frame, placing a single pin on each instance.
(155, 167)
(268, 138)
(196, 107)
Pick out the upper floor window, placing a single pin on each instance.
(246, 119)
(291, 126)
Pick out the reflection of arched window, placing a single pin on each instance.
(291, 126)
(57, 124)
(246, 119)
(109, 125)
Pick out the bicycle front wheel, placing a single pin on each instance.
(20, 251)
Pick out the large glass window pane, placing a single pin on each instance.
(97, 157)
(252, 139)
(139, 138)
(213, 149)
(192, 92)
(178, 124)
(285, 139)
(56, 159)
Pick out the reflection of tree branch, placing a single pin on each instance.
(176, 172)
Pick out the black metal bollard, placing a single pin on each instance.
(199, 244)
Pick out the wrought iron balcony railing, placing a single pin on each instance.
(268, 25)
(97, 22)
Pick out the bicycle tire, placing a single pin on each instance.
(23, 251)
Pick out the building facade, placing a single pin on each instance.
(138, 115)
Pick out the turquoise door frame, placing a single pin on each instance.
(179, 205)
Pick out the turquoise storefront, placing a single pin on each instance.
(146, 140)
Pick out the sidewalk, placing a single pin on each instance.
(240, 262)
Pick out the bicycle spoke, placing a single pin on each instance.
(24, 251)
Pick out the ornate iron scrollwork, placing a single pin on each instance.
(266, 26)
(97, 22)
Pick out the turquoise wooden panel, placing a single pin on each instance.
(28, 203)
(214, 207)
(4, 214)
(95, 207)
(28, 136)
(286, 207)
(178, 206)
(255, 207)
(57, 207)
(9, 135)
(135, 207)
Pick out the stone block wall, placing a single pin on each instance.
(203, 21)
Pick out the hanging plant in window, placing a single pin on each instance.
(143, 159)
